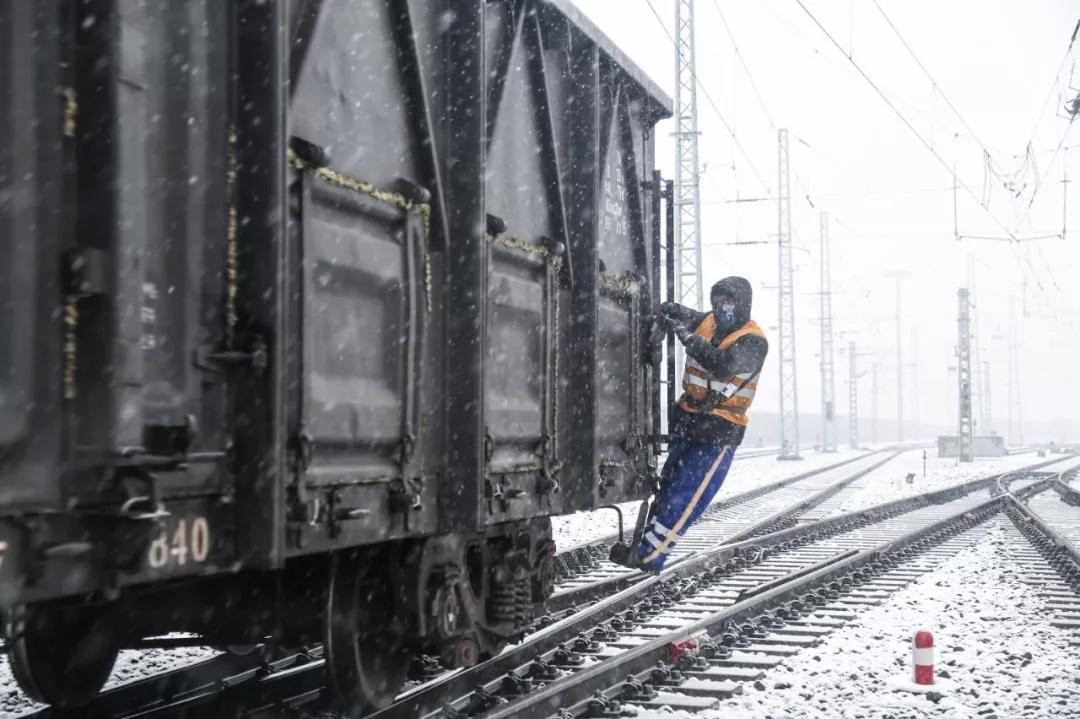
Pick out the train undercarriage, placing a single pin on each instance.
(374, 608)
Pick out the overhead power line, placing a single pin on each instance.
(1054, 84)
(892, 106)
(761, 99)
(1042, 111)
(926, 72)
(1009, 180)
(897, 112)
(1042, 179)
(745, 67)
(713, 105)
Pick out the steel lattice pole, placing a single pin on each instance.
(1016, 427)
(687, 174)
(789, 395)
(899, 369)
(966, 429)
(853, 397)
(915, 375)
(828, 389)
(874, 407)
(899, 275)
(978, 401)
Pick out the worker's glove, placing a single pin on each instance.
(681, 332)
(669, 309)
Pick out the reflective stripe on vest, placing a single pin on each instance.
(699, 386)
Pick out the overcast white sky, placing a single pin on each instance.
(890, 200)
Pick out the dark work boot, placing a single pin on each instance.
(623, 554)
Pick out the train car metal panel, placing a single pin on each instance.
(302, 276)
(33, 212)
(124, 407)
(529, 177)
(149, 403)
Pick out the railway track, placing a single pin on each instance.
(719, 600)
(733, 653)
(722, 590)
(605, 541)
(584, 572)
(188, 683)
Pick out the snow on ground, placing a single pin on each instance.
(890, 481)
(993, 637)
(883, 485)
(746, 474)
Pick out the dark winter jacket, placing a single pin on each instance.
(747, 354)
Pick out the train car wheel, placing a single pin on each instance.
(62, 655)
(367, 654)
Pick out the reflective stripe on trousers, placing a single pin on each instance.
(691, 477)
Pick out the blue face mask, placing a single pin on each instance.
(727, 313)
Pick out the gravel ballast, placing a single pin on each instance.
(996, 651)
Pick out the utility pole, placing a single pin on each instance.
(899, 371)
(687, 173)
(1016, 429)
(898, 275)
(853, 396)
(966, 428)
(915, 375)
(976, 358)
(873, 402)
(828, 389)
(987, 405)
(789, 394)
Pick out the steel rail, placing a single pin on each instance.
(1069, 494)
(782, 519)
(244, 684)
(572, 598)
(1060, 547)
(193, 685)
(641, 688)
(734, 500)
(431, 697)
(607, 676)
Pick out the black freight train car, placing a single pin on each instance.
(312, 312)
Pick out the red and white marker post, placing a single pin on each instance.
(922, 657)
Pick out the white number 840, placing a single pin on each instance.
(185, 541)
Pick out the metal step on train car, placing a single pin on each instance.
(311, 314)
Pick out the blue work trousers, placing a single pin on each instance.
(690, 479)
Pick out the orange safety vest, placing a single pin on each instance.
(698, 384)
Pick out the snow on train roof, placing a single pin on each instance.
(608, 46)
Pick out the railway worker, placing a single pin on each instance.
(725, 351)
